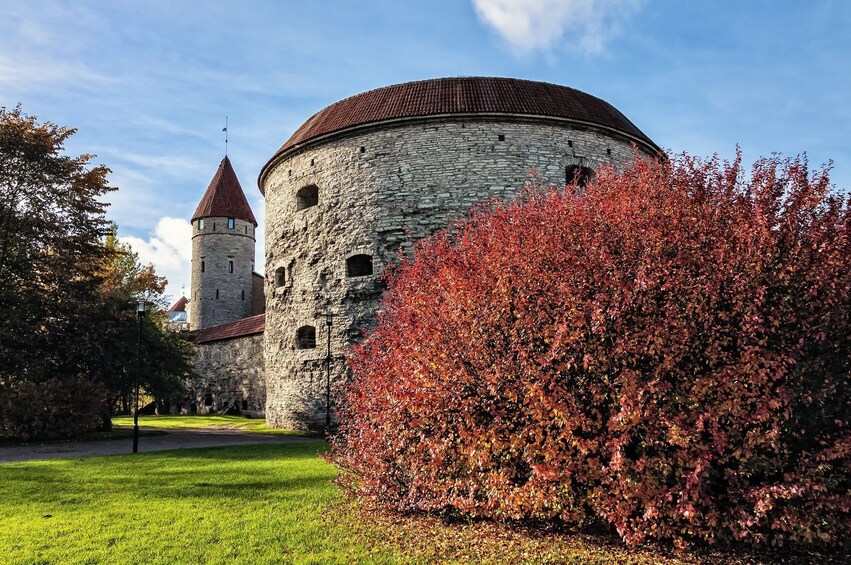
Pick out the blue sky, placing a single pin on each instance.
(148, 84)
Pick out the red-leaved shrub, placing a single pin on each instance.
(666, 351)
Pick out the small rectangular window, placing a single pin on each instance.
(202, 266)
(243, 295)
(359, 266)
(306, 197)
(230, 223)
(230, 266)
(217, 294)
(201, 224)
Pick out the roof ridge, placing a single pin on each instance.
(413, 83)
(238, 328)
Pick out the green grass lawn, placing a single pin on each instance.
(250, 504)
(253, 425)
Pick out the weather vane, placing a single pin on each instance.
(225, 129)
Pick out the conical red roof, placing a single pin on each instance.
(179, 306)
(224, 197)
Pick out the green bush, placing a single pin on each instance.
(58, 408)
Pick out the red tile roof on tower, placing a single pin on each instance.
(240, 328)
(463, 95)
(224, 197)
(179, 306)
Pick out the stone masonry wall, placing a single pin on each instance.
(218, 295)
(258, 301)
(379, 191)
(232, 377)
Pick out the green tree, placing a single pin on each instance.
(68, 290)
(166, 356)
(52, 227)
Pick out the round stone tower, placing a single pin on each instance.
(370, 175)
(222, 253)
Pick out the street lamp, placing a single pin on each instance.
(329, 321)
(140, 311)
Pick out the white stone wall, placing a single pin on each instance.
(219, 296)
(232, 377)
(379, 191)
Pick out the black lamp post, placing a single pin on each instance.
(140, 311)
(329, 321)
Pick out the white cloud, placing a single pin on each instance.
(169, 249)
(531, 25)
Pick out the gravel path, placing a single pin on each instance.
(173, 439)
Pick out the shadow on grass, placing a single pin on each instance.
(115, 433)
(258, 451)
(212, 473)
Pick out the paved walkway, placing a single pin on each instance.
(173, 439)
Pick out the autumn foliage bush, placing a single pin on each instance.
(666, 351)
